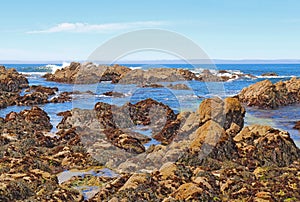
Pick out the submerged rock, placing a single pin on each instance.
(114, 94)
(179, 86)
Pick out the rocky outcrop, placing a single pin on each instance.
(26, 122)
(211, 158)
(11, 83)
(87, 73)
(218, 164)
(29, 160)
(226, 113)
(11, 80)
(42, 89)
(143, 77)
(266, 146)
(267, 95)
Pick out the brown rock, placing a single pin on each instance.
(223, 112)
(297, 125)
(113, 94)
(87, 73)
(269, 74)
(187, 191)
(152, 85)
(126, 140)
(43, 89)
(11, 80)
(134, 181)
(179, 86)
(141, 77)
(265, 146)
(264, 94)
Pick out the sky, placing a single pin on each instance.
(35, 30)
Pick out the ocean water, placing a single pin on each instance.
(179, 100)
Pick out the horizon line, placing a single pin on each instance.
(160, 61)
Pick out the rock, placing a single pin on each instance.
(269, 74)
(179, 86)
(266, 95)
(34, 98)
(265, 146)
(43, 89)
(125, 140)
(62, 98)
(11, 80)
(115, 73)
(221, 75)
(168, 170)
(168, 132)
(8, 99)
(223, 112)
(142, 77)
(87, 73)
(188, 191)
(134, 181)
(27, 122)
(297, 125)
(113, 94)
(207, 76)
(152, 85)
(211, 140)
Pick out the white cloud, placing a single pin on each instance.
(85, 27)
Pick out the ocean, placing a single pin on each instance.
(179, 100)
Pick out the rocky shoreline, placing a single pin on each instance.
(206, 155)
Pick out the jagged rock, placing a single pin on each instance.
(187, 191)
(126, 140)
(265, 94)
(223, 112)
(27, 121)
(143, 77)
(87, 73)
(211, 140)
(11, 80)
(8, 99)
(265, 146)
(34, 98)
(43, 89)
(207, 76)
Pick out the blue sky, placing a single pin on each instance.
(225, 29)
